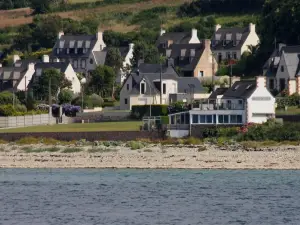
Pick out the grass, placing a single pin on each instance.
(72, 150)
(101, 150)
(38, 150)
(78, 127)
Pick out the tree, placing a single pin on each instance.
(114, 59)
(41, 6)
(56, 79)
(102, 80)
(65, 96)
(149, 53)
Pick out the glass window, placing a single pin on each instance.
(164, 88)
(239, 119)
(172, 119)
(182, 119)
(215, 119)
(127, 86)
(82, 64)
(282, 69)
(221, 119)
(226, 119)
(233, 119)
(142, 88)
(125, 100)
(209, 118)
(234, 55)
(195, 119)
(187, 118)
(202, 118)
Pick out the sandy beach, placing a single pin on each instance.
(152, 156)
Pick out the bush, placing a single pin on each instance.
(95, 101)
(28, 141)
(134, 145)
(7, 97)
(7, 110)
(139, 111)
(192, 141)
(65, 96)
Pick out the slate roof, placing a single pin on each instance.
(176, 37)
(62, 66)
(218, 91)
(236, 37)
(181, 53)
(74, 41)
(292, 64)
(12, 73)
(151, 72)
(241, 89)
(25, 62)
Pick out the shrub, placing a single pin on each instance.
(193, 141)
(28, 141)
(3, 142)
(7, 97)
(95, 101)
(134, 145)
(72, 150)
(139, 111)
(7, 110)
(65, 96)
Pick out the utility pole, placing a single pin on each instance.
(49, 91)
(213, 72)
(26, 89)
(161, 85)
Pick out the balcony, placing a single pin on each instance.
(219, 104)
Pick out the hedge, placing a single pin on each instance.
(139, 111)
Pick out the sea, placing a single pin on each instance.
(142, 197)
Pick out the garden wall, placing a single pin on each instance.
(25, 121)
(89, 136)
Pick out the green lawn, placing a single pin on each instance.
(78, 127)
(290, 111)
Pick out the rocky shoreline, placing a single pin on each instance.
(152, 156)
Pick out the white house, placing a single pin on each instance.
(282, 69)
(231, 43)
(127, 55)
(244, 102)
(143, 86)
(84, 52)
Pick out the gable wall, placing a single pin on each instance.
(205, 64)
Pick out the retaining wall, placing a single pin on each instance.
(24, 121)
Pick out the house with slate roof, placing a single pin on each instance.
(166, 39)
(282, 69)
(127, 55)
(244, 102)
(84, 52)
(193, 60)
(231, 43)
(143, 86)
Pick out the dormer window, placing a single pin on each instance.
(142, 88)
(84, 50)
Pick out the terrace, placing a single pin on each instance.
(218, 104)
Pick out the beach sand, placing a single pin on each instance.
(191, 157)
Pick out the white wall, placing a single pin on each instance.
(178, 133)
(280, 74)
(71, 76)
(260, 110)
(126, 62)
(29, 73)
(194, 37)
(252, 39)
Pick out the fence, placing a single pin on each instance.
(25, 121)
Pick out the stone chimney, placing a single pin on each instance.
(261, 81)
(217, 27)
(16, 58)
(194, 37)
(194, 33)
(45, 59)
(170, 42)
(252, 27)
(206, 43)
(131, 46)
(30, 66)
(99, 35)
(60, 34)
(162, 31)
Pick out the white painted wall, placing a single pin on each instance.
(178, 133)
(23, 85)
(100, 44)
(127, 62)
(71, 76)
(252, 38)
(194, 37)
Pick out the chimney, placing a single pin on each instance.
(99, 35)
(131, 46)
(45, 59)
(194, 33)
(206, 43)
(30, 67)
(170, 42)
(168, 53)
(55, 60)
(16, 58)
(261, 81)
(60, 34)
(162, 31)
(252, 27)
(170, 62)
(280, 46)
(217, 27)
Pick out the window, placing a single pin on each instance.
(68, 51)
(201, 73)
(164, 45)
(239, 119)
(195, 119)
(82, 63)
(125, 101)
(202, 118)
(271, 84)
(57, 51)
(127, 86)
(226, 119)
(228, 55)
(164, 88)
(75, 63)
(209, 119)
(234, 55)
(220, 119)
(143, 88)
(223, 119)
(240, 102)
(220, 57)
(91, 61)
(101, 47)
(172, 119)
(233, 118)
(282, 69)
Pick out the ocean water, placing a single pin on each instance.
(142, 197)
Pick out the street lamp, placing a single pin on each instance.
(82, 82)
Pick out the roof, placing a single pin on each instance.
(217, 92)
(176, 37)
(12, 73)
(25, 62)
(241, 89)
(292, 64)
(73, 42)
(151, 72)
(186, 56)
(233, 38)
(62, 66)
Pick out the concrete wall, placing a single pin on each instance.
(24, 121)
